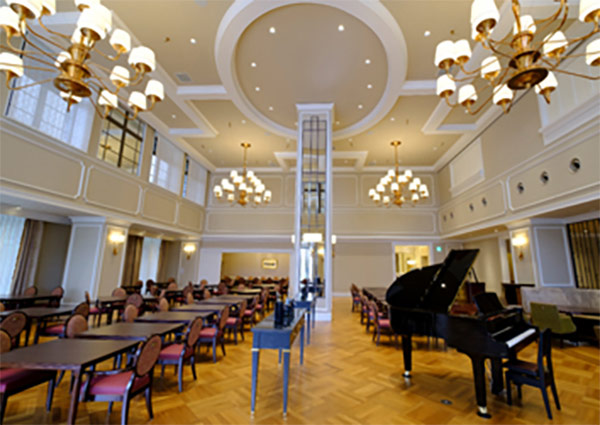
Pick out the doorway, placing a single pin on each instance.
(410, 257)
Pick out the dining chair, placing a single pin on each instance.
(189, 298)
(211, 335)
(206, 295)
(15, 380)
(356, 302)
(94, 311)
(222, 288)
(57, 329)
(381, 325)
(29, 291)
(136, 299)
(13, 324)
(130, 313)
(236, 324)
(163, 304)
(119, 292)
(124, 384)
(176, 353)
(539, 374)
(172, 286)
(57, 292)
(262, 303)
(74, 325)
(249, 316)
(2, 307)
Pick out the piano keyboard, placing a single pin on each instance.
(514, 341)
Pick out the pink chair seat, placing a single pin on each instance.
(11, 379)
(232, 321)
(54, 330)
(384, 323)
(259, 306)
(116, 384)
(248, 313)
(208, 333)
(173, 351)
(94, 310)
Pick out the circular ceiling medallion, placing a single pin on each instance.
(274, 55)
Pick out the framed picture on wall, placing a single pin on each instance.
(269, 263)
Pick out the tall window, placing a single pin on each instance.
(150, 258)
(41, 107)
(195, 180)
(121, 140)
(167, 164)
(11, 230)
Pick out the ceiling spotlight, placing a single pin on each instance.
(193, 40)
(257, 88)
(360, 106)
(243, 121)
(367, 61)
(427, 33)
(341, 28)
(253, 64)
(173, 116)
(392, 119)
(337, 123)
(272, 30)
(270, 108)
(369, 86)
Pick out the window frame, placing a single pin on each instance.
(125, 131)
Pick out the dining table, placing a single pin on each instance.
(19, 301)
(173, 316)
(109, 303)
(136, 331)
(74, 354)
(39, 314)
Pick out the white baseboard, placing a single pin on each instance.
(323, 317)
(341, 294)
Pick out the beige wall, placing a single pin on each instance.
(250, 264)
(488, 265)
(53, 253)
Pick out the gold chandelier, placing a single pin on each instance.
(244, 187)
(518, 61)
(397, 187)
(71, 56)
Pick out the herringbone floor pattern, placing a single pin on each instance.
(345, 379)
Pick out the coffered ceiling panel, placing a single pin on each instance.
(170, 114)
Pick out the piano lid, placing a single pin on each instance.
(435, 287)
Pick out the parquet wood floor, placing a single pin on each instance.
(345, 379)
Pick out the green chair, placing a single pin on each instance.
(546, 316)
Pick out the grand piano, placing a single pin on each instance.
(420, 302)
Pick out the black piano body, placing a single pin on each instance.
(420, 301)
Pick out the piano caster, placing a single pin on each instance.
(483, 412)
(406, 374)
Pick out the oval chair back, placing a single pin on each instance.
(130, 313)
(147, 355)
(222, 288)
(13, 324)
(5, 344)
(136, 299)
(75, 325)
(189, 298)
(2, 308)
(82, 309)
(163, 304)
(194, 333)
(58, 291)
(223, 319)
(87, 298)
(206, 294)
(119, 292)
(203, 283)
(172, 286)
(32, 290)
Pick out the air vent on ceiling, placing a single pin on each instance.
(183, 77)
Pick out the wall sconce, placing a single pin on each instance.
(116, 238)
(312, 237)
(519, 241)
(189, 249)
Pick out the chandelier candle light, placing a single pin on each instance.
(391, 188)
(520, 60)
(244, 187)
(78, 76)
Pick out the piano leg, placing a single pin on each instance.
(407, 354)
(479, 379)
(497, 377)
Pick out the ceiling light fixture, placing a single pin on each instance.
(367, 61)
(270, 108)
(257, 88)
(173, 116)
(243, 188)
(397, 187)
(392, 119)
(253, 64)
(243, 121)
(272, 30)
(193, 40)
(520, 60)
(78, 76)
(427, 33)
(369, 86)
(341, 28)
(360, 106)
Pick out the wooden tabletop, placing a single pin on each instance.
(11, 297)
(214, 308)
(63, 354)
(131, 331)
(41, 312)
(221, 301)
(173, 316)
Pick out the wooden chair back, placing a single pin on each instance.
(82, 309)
(194, 332)
(223, 318)
(136, 299)
(2, 307)
(172, 286)
(31, 290)
(119, 292)
(130, 313)
(163, 304)
(75, 325)
(147, 355)
(58, 291)
(189, 298)
(14, 323)
(5, 342)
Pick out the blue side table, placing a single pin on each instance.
(309, 305)
(267, 336)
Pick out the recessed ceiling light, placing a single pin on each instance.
(369, 86)
(350, 139)
(392, 119)
(360, 106)
(427, 33)
(367, 61)
(257, 88)
(435, 148)
(270, 108)
(341, 28)
(253, 64)
(193, 40)
(173, 116)
(243, 121)
(337, 123)
(272, 30)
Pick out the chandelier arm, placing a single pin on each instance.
(575, 74)
(46, 39)
(583, 37)
(35, 83)
(29, 42)
(516, 10)
(66, 37)
(106, 56)
(137, 78)
(497, 51)
(481, 106)
(30, 55)
(563, 5)
(465, 71)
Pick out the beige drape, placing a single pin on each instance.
(133, 258)
(160, 273)
(27, 259)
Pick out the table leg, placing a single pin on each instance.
(27, 333)
(302, 344)
(314, 314)
(74, 395)
(255, 361)
(286, 376)
(309, 316)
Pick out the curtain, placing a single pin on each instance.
(133, 256)
(167, 165)
(160, 273)
(11, 231)
(150, 259)
(27, 259)
(196, 183)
